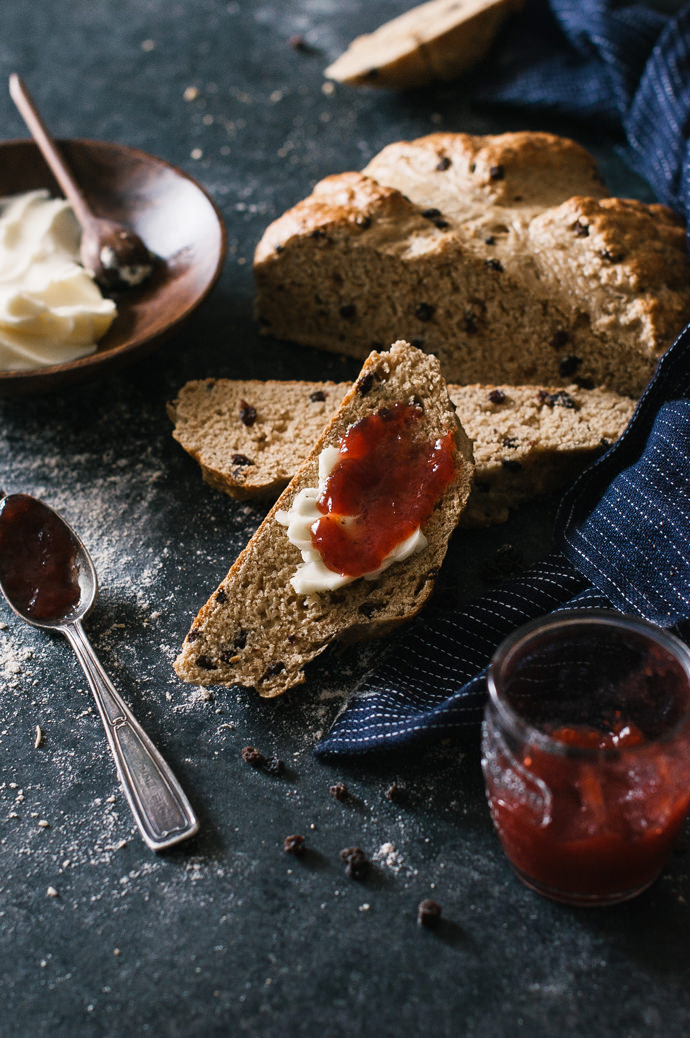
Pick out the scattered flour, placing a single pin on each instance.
(13, 657)
(388, 856)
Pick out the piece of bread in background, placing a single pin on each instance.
(503, 255)
(439, 40)
(249, 437)
(256, 630)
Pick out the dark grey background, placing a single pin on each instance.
(229, 935)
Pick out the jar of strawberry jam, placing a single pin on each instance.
(586, 753)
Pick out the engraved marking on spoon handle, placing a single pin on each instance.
(160, 808)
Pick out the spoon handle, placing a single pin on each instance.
(48, 148)
(159, 806)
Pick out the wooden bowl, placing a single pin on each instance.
(172, 214)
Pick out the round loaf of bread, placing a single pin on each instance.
(503, 255)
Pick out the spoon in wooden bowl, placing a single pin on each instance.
(49, 580)
(114, 254)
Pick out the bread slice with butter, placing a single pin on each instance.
(249, 437)
(256, 630)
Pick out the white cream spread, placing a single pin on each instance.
(312, 576)
(51, 310)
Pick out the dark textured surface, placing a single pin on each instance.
(230, 935)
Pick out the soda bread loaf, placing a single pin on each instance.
(437, 40)
(249, 437)
(503, 255)
(256, 630)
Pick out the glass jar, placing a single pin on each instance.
(586, 753)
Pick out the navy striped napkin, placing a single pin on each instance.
(623, 528)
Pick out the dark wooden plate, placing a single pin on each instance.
(167, 208)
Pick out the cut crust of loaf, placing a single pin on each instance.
(527, 440)
(503, 255)
(255, 630)
(439, 40)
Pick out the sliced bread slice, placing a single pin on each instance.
(249, 437)
(440, 39)
(256, 630)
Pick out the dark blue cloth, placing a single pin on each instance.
(623, 528)
(620, 65)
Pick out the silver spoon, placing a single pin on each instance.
(33, 540)
(113, 253)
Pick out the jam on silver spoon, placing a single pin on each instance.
(38, 559)
(49, 580)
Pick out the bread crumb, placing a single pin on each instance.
(429, 914)
(38, 738)
(294, 845)
(51, 892)
(191, 93)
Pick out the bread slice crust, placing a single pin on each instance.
(437, 40)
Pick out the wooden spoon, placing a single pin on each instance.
(114, 254)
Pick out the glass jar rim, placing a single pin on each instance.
(570, 619)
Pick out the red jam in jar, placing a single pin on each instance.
(38, 568)
(385, 485)
(586, 755)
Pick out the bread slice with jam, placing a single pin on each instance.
(256, 630)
